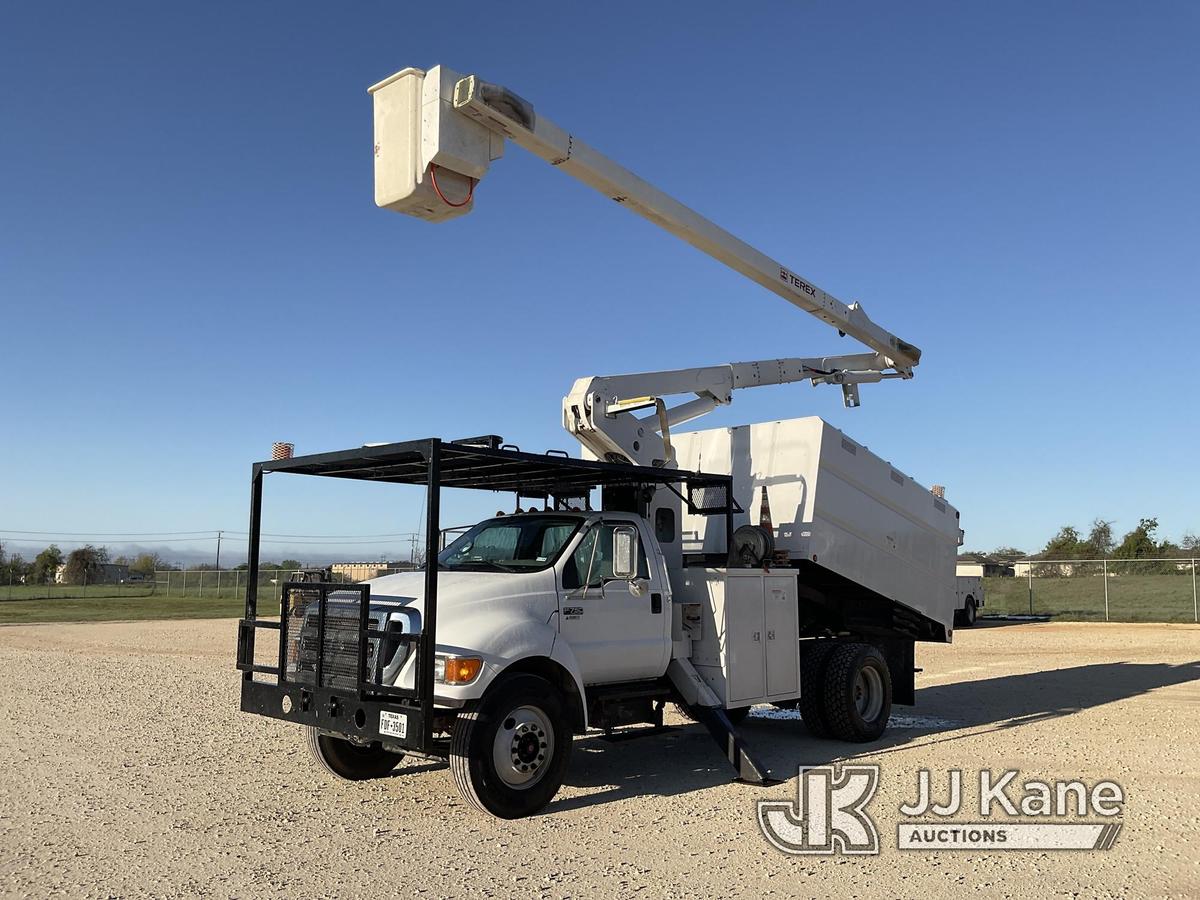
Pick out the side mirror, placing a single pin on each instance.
(625, 553)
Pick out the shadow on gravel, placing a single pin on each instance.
(684, 758)
(985, 621)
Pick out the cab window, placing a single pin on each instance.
(523, 543)
(601, 564)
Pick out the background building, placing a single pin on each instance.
(361, 571)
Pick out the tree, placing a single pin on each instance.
(1168, 549)
(148, 564)
(1008, 554)
(291, 564)
(1140, 544)
(45, 565)
(13, 569)
(1066, 545)
(1100, 539)
(84, 564)
(1190, 544)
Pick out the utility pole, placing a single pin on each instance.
(218, 551)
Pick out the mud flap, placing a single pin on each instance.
(749, 770)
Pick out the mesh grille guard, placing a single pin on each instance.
(709, 498)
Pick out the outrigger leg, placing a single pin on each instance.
(707, 709)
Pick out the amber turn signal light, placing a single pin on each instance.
(462, 669)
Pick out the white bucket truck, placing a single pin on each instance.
(780, 562)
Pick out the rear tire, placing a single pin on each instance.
(345, 759)
(970, 612)
(814, 658)
(509, 754)
(858, 693)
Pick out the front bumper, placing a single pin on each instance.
(345, 713)
(331, 670)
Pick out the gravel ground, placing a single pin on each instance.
(127, 770)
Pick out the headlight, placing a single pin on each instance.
(456, 669)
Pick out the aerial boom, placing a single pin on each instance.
(500, 109)
(436, 134)
(600, 410)
(455, 122)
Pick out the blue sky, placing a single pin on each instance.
(191, 264)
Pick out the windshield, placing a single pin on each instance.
(519, 543)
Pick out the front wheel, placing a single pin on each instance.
(345, 759)
(510, 753)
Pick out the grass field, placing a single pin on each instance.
(1131, 598)
(74, 591)
(108, 609)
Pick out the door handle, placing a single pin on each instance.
(757, 635)
(770, 635)
(656, 603)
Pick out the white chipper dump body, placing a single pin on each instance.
(835, 508)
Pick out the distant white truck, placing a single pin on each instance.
(969, 599)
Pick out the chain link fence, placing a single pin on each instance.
(1112, 590)
(132, 587)
(192, 584)
(1098, 590)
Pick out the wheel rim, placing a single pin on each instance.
(523, 747)
(868, 693)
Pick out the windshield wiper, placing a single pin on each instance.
(481, 562)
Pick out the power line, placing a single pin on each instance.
(325, 543)
(69, 540)
(85, 534)
(272, 534)
(172, 536)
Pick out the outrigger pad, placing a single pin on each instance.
(749, 770)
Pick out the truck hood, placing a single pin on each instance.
(500, 616)
(463, 595)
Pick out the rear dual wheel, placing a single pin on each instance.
(845, 691)
(813, 656)
(856, 700)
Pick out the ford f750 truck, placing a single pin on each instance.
(780, 562)
(536, 626)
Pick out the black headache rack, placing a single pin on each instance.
(337, 651)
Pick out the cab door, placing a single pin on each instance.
(618, 628)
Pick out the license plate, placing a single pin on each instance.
(395, 724)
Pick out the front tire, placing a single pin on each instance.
(858, 693)
(345, 759)
(509, 754)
